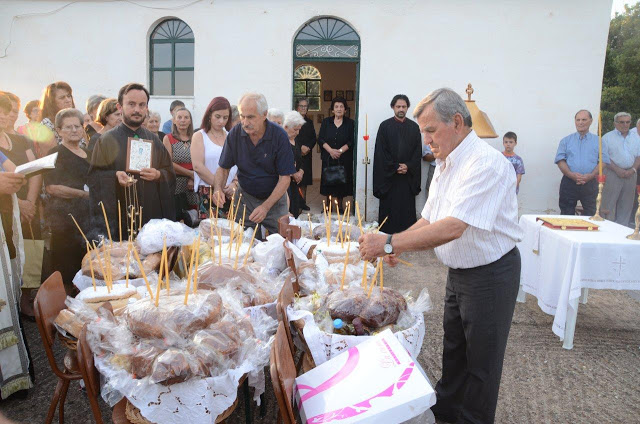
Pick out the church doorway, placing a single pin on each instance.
(326, 64)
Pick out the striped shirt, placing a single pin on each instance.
(475, 184)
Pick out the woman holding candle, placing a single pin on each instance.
(66, 186)
(336, 141)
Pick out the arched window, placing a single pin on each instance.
(327, 38)
(171, 59)
(306, 83)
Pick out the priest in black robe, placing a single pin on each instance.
(306, 141)
(108, 181)
(396, 168)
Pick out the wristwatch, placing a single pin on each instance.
(388, 248)
(340, 150)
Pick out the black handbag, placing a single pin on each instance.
(333, 175)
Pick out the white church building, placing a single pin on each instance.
(532, 64)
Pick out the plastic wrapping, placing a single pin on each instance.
(150, 239)
(271, 253)
(225, 229)
(333, 273)
(335, 252)
(383, 308)
(172, 320)
(82, 281)
(193, 382)
(346, 304)
(212, 276)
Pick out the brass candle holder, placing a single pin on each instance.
(601, 181)
(636, 233)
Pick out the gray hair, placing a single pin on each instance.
(637, 122)
(261, 101)
(68, 113)
(620, 115)
(153, 113)
(93, 102)
(583, 110)
(447, 103)
(293, 119)
(234, 113)
(274, 113)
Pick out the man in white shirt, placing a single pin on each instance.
(471, 220)
(623, 146)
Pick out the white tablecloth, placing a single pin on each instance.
(568, 261)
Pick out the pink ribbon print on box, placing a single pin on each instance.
(360, 407)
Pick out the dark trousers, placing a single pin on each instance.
(570, 193)
(478, 308)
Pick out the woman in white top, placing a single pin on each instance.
(206, 147)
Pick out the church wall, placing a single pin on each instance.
(532, 64)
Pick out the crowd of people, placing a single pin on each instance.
(262, 158)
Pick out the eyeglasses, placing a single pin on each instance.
(624, 122)
(72, 127)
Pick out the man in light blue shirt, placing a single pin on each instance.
(623, 147)
(167, 126)
(577, 158)
(427, 155)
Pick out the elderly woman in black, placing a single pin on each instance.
(66, 186)
(336, 139)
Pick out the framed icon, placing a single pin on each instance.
(340, 93)
(350, 94)
(347, 112)
(328, 95)
(139, 153)
(320, 118)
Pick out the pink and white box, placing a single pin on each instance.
(374, 382)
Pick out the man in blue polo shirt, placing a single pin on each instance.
(577, 158)
(261, 150)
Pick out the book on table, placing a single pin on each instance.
(568, 224)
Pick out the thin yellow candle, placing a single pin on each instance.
(184, 262)
(380, 226)
(359, 220)
(381, 274)
(366, 124)
(246, 256)
(144, 274)
(97, 251)
(600, 144)
(404, 262)
(240, 239)
(186, 292)
(79, 229)
(119, 222)
(160, 271)
(213, 243)
(132, 224)
(104, 212)
(364, 275)
(128, 261)
(210, 205)
(310, 226)
(329, 224)
(93, 278)
(166, 270)
(219, 245)
(195, 273)
(193, 251)
(107, 260)
(140, 225)
(373, 280)
(346, 262)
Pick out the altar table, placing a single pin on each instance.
(559, 266)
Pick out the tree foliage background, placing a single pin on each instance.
(621, 82)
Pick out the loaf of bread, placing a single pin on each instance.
(172, 316)
(69, 322)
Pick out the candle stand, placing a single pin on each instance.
(636, 233)
(601, 181)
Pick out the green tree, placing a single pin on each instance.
(621, 82)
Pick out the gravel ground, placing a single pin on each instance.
(596, 382)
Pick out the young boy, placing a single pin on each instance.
(509, 142)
